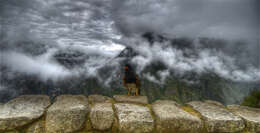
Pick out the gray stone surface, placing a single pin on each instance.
(134, 118)
(22, 110)
(36, 127)
(92, 99)
(171, 118)
(215, 102)
(218, 119)
(67, 114)
(251, 115)
(1, 105)
(131, 99)
(102, 116)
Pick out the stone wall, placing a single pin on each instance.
(123, 114)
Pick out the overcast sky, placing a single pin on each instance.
(102, 28)
(214, 18)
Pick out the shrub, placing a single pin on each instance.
(253, 100)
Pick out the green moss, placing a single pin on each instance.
(191, 111)
(12, 131)
(153, 116)
(252, 100)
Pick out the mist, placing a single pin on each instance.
(57, 40)
(232, 21)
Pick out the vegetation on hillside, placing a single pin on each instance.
(253, 100)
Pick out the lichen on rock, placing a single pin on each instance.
(67, 114)
(215, 102)
(134, 118)
(22, 110)
(250, 115)
(36, 127)
(73, 114)
(131, 99)
(92, 99)
(101, 116)
(171, 118)
(12, 131)
(218, 119)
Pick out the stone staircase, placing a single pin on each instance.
(123, 114)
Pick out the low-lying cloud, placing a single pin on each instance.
(44, 67)
(205, 60)
(230, 21)
(100, 29)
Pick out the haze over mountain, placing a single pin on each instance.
(208, 48)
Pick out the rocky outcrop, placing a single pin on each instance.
(74, 114)
(171, 118)
(102, 116)
(218, 119)
(131, 99)
(134, 118)
(67, 114)
(250, 115)
(22, 110)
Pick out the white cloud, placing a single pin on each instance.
(42, 66)
(92, 28)
(207, 60)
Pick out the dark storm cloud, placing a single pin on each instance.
(213, 18)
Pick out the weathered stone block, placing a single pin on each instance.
(218, 119)
(36, 127)
(131, 99)
(171, 118)
(215, 102)
(67, 114)
(92, 99)
(22, 110)
(102, 116)
(250, 115)
(134, 118)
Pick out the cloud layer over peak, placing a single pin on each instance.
(197, 18)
